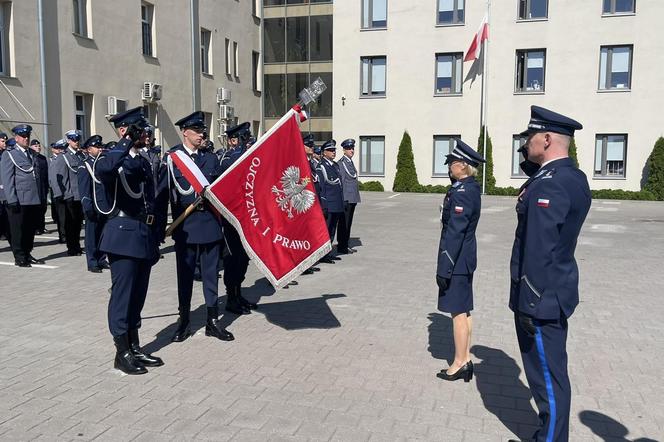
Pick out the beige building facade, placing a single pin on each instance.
(398, 66)
(96, 57)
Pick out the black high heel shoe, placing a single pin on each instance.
(465, 373)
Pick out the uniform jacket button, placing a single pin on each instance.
(532, 304)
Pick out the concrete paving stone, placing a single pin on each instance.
(218, 415)
(24, 421)
(19, 435)
(286, 438)
(84, 431)
(253, 421)
(399, 413)
(348, 434)
(154, 422)
(100, 399)
(315, 431)
(151, 436)
(188, 411)
(217, 432)
(158, 407)
(334, 403)
(247, 435)
(281, 425)
(185, 427)
(123, 419)
(118, 434)
(248, 405)
(55, 426)
(94, 414)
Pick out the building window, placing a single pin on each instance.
(374, 14)
(5, 26)
(297, 39)
(320, 38)
(610, 154)
(517, 157)
(206, 54)
(442, 145)
(450, 12)
(228, 56)
(618, 7)
(373, 76)
(255, 70)
(147, 17)
(80, 17)
(322, 107)
(275, 95)
(530, 66)
(236, 60)
(274, 41)
(615, 67)
(533, 9)
(372, 156)
(449, 77)
(82, 107)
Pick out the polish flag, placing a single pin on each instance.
(541, 202)
(473, 52)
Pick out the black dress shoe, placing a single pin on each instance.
(465, 373)
(233, 304)
(144, 358)
(343, 252)
(104, 265)
(124, 359)
(183, 331)
(327, 260)
(62, 240)
(33, 260)
(22, 264)
(308, 272)
(315, 269)
(352, 250)
(336, 258)
(94, 269)
(243, 301)
(74, 252)
(213, 328)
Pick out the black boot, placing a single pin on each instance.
(144, 358)
(213, 328)
(243, 302)
(233, 304)
(183, 331)
(124, 359)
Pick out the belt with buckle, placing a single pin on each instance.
(147, 218)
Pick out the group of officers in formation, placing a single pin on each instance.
(123, 190)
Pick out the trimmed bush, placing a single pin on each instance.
(430, 188)
(504, 191)
(618, 194)
(372, 186)
(572, 153)
(655, 170)
(488, 166)
(405, 179)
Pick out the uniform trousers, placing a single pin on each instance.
(4, 221)
(130, 278)
(332, 219)
(40, 225)
(344, 225)
(57, 208)
(22, 230)
(544, 357)
(236, 260)
(93, 229)
(186, 257)
(72, 215)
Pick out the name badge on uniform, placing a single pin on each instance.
(541, 202)
(458, 209)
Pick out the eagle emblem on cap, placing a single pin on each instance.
(293, 195)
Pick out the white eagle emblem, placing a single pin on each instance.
(294, 194)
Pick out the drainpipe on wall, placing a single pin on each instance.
(195, 37)
(42, 68)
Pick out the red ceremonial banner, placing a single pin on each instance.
(269, 197)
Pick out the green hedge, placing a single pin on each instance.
(372, 186)
(617, 194)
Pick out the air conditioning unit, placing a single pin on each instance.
(223, 95)
(115, 106)
(151, 92)
(226, 112)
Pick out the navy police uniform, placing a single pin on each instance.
(457, 252)
(41, 173)
(21, 188)
(551, 209)
(91, 195)
(4, 222)
(56, 150)
(236, 261)
(199, 236)
(351, 189)
(128, 238)
(331, 193)
(308, 140)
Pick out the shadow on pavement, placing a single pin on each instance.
(302, 313)
(441, 340)
(607, 428)
(354, 242)
(502, 392)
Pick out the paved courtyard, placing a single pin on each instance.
(351, 353)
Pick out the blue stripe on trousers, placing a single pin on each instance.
(549, 384)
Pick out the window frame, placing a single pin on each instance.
(371, 138)
(206, 51)
(370, 26)
(520, 173)
(80, 18)
(256, 71)
(449, 139)
(528, 8)
(457, 61)
(236, 59)
(455, 14)
(149, 23)
(371, 94)
(603, 172)
(613, 12)
(524, 81)
(5, 28)
(85, 113)
(609, 72)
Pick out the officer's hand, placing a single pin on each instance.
(134, 132)
(526, 324)
(14, 207)
(443, 283)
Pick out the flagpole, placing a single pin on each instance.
(485, 87)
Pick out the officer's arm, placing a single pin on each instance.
(548, 205)
(107, 166)
(84, 187)
(462, 205)
(8, 176)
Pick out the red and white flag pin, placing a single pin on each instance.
(541, 202)
(458, 209)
